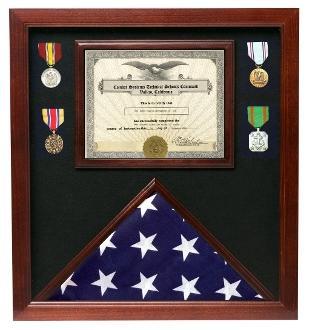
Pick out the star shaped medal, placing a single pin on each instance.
(257, 117)
(258, 52)
(53, 118)
(51, 52)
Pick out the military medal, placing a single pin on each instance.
(155, 147)
(51, 52)
(257, 117)
(258, 52)
(53, 118)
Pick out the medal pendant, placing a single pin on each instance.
(155, 147)
(258, 141)
(259, 78)
(50, 78)
(54, 144)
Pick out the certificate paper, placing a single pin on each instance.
(139, 102)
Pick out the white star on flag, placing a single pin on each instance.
(147, 205)
(187, 287)
(186, 247)
(105, 282)
(107, 243)
(67, 283)
(145, 244)
(229, 289)
(146, 284)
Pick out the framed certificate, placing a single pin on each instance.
(154, 103)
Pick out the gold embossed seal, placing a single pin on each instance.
(155, 147)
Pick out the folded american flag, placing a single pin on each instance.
(155, 254)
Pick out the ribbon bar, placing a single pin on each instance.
(51, 52)
(258, 51)
(53, 117)
(258, 115)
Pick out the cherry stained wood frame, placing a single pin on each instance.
(284, 19)
(226, 161)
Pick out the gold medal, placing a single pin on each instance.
(259, 77)
(258, 52)
(54, 144)
(155, 147)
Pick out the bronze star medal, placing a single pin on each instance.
(53, 118)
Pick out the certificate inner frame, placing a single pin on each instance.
(161, 103)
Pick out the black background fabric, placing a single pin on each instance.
(69, 206)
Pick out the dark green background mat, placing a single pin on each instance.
(70, 206)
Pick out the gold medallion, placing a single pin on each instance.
(155, 147)
(54, 144)
(259, 78)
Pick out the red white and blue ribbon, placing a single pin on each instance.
(53, 117)
(258, 51)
